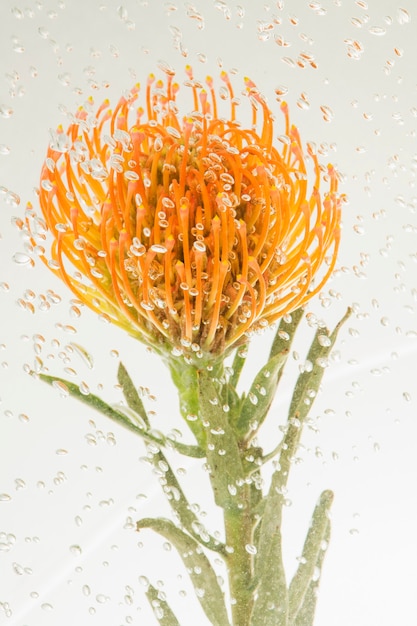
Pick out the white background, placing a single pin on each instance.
(68, 552)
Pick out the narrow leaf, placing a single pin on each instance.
(238, 363)
(122, 416)
(223, 456)
(310, 380)
(95, 403)
(265, 385)
(161, 608)
(305, 616)
(308, 383)
(181, 507)
(313, 547)
(130, 393)
(271, 604)
(257, 403)
(286, 332)
(185, 379)
(202, 575)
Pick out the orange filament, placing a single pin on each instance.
(188, 231)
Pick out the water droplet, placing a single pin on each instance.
(76, 550)
(20, 483)
(379, 31)
(324, 340)
(403, 16)
(18, 569)
(250, 548)
(328, 114)
(18, 13)
(62, 388)
(5, 497)
(46, 606)
(22, 259)
(5, 111)
(43, 32)
(84, 354)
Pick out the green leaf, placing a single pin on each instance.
(202, 575)
(257, 403)
(161, 608)
(238, 363)
(181, 507)
(305, 615)
(94, 402)
(122, 417)
(286, 332)
(136, 405)
(312, 554)
(185, 379)
(264, 387)
(271, 603)
(306, 389)
(130, 393)
(223, 456)
(309, 381)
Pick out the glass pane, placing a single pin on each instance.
(73, 483)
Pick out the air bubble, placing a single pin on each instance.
(324, 340)
(250, 548)
(62, 388)
(161, 249)
(5, 111)
(22, 259)
(403, 16)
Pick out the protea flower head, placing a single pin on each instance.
(192, 231)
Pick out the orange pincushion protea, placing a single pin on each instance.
(189, 233)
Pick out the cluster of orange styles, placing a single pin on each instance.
(190, 232)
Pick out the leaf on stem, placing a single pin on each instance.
(238, 363)
(122, 416)
(264, 387)
(223, 455)
(286, 332)
(161, 608)
(181, 507)
(257, 403)
(202, 575)
(184, 377)
(312, 555)
(130, 393)
(309, 381)
(271, 603)
(307, 610)
(305, 391)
